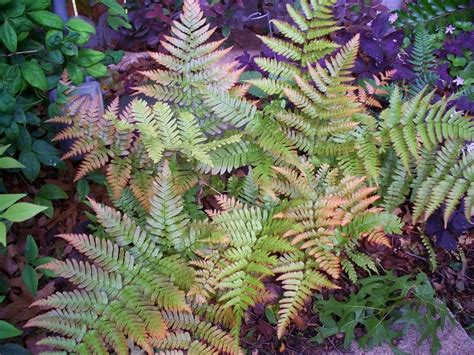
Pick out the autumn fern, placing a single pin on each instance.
(333, 216)
(132, 287)
(304, 42)
(192, 64)
(426, 160)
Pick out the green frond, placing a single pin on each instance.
(231, 110)
(298, 288)
(431, 252)
(422, 55)
(277, 68)
(166, 221)
(349, 269)
(363, 261)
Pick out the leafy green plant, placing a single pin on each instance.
(434, 13)
(10, 209)
(33, 260)
(13, 211)
(385, 307)
(35, 47)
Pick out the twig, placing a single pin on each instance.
(213, 189)
(22, 52)
(416, 256)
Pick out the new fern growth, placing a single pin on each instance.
(191, 66)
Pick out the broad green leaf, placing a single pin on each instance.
(7, 330)
(47, 19)
(8, 36)
(88, 57)
(34, 75)
(42, 147)
(6, 200)
(75, 73)
(12, 79)
(30, 279)
(7, 102)
(23, 141)
(52, 192)
(3, 148)
(79, 25)
(97, 70)
(270, 315)
(34, 5)
(115, 22)
(10, 163)
(49, 211)
(31, 163)
(22, 24)
(115, 7)
(83, 189)
(69, 49)
(22, 211)
(13, 131)
(3, 234)
(54, 38)
(17, 8)
(31, 249)
(20, 116)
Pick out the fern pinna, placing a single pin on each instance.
(133, 287)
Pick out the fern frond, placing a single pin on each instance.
(431, 252)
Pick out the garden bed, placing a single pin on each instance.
(308, 190)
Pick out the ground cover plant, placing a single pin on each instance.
(224, 222)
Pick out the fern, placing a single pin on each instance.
(133, 288)
(191, 66)
(300, 279)
(253, 240)
(430, 251)
(322, 176)
(333, 218)
(305, 41)
(434, 13)
(141, 137)
(422, 57)
(423, 60)
(426, 141)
